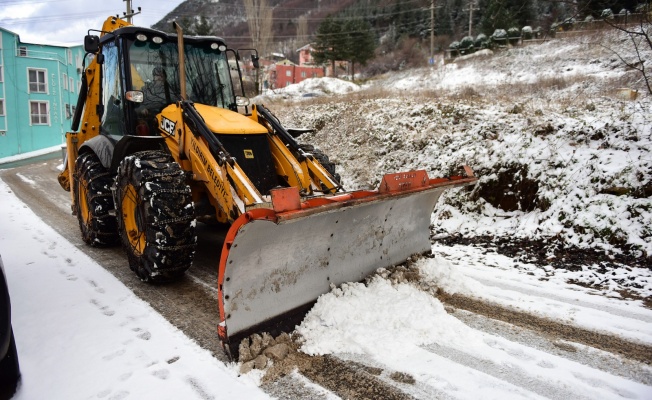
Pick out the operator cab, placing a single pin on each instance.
(140, 74)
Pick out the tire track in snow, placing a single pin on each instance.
(636, 351)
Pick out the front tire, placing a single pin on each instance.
(156, 216)
(93, 201)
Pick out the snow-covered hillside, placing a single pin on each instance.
(559, 152)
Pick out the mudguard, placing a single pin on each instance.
(275, 263)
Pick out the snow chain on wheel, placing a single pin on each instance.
(156, 216)
(93, 201)
(323, 160)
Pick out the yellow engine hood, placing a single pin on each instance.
(220, 120)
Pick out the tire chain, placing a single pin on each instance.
(170, 234)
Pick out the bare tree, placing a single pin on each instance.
(259, 19)
(302, 30)
(641, 42)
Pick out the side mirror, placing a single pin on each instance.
(91, 44)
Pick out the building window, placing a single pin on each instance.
(37, 81)
(65, 82)
(68, 115)
(314, 74)
(2, 79)
(73, 110)
(38, 112)
(2, 107)
(69, 56)
(303, 74)
(288, 83)
(72, 85)
(288, 73)
(22, 51)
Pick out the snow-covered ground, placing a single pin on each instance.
(82, 334)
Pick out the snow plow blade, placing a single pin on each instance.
(276, 262)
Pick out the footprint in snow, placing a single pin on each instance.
(70, 277)
(97, 288)
(105, 309)
(125, 376)
(113, 355)
(145, 335)
(119, 396)
(161, 374)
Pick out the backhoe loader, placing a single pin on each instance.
(163, 136)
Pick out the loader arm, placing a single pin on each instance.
(208, 159)
(309, 173)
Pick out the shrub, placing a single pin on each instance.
(466, 45)
(526, 33)
(607, 14)
(499, 34)
(466, 42)
(454, 46)
(481, 41)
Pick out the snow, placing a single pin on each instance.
(312, 87)
(80, 333)
(75, 323)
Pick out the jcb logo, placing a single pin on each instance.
(167, 126)
(249, 153)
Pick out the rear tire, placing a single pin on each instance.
(156, 216)
(93, 201)
(323, 159)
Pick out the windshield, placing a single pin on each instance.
(155, 72)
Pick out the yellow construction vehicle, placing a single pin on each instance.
(163, 136)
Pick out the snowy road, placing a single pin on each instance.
(393, 338)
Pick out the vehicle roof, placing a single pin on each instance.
(167, 37)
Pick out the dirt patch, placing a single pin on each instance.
(552, 252)
(559, 255)
(348, 379)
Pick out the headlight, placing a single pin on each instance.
(141, 37)
(134, 96)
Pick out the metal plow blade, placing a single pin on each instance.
(277, 263)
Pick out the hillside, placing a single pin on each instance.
(562, 158)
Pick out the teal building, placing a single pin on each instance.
(39, 86)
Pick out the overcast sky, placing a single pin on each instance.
(67, 21)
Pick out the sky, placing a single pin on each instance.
(66, 22)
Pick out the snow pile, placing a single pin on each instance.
(312, 87)
(336, 325)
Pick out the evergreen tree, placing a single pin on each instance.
(330, 42)
(361, 43)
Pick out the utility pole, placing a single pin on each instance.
(432, 31)
(130, 13)
(471, 8)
